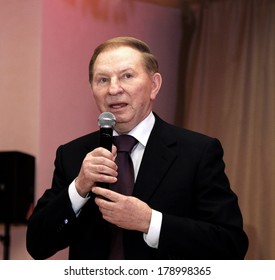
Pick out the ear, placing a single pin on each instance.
(156, 85)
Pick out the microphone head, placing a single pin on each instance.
(106, 120)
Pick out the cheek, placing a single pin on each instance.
(99, 100)
(143, 96)
(138, 100)
(98, 95)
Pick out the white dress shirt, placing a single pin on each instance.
(141, 132)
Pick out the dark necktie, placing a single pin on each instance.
(126, 179)
(124, 185)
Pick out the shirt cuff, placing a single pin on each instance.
(77, 200)
(152, 237)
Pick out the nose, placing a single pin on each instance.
(114, 87)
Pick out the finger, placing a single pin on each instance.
(103, 204)
(114, 150)
(108, 194)
(101, 161)
(102, 152)
(103, 178)
(104, 170)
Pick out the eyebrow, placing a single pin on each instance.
(104, 73)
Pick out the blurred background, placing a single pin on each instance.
(217, 59)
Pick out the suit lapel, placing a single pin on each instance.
(159, 154)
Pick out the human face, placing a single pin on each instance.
(122, 85)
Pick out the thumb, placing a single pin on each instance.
(114, 150)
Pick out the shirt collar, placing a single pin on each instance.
(142, 131)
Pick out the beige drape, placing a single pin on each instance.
(227, 91)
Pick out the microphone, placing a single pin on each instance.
(106, 122)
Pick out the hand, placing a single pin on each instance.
(97, 166)
(127, 212)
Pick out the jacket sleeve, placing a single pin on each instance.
(49, 227)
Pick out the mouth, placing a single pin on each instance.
(118, 106)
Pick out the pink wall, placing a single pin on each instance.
(20, 29)
(70, 30)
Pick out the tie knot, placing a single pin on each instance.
(125, 143)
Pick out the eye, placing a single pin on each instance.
(127, 76)
(102, 80)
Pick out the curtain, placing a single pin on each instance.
(227, 90)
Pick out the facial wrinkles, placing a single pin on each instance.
(134, 93)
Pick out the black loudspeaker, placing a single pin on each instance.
(17, 175)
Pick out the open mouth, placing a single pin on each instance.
(118, 106)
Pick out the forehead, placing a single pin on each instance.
(122, 56)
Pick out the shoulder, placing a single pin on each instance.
(85, 140)
(191, 142)
(181, 134)
(79, 146)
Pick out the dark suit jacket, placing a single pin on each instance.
(181, 175)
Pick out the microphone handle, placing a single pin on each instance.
(106, 138)
(106, 141)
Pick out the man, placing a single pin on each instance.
(181, 207)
